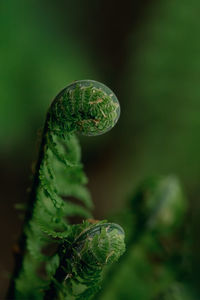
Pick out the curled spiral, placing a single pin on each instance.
(100, 244)
(81, 263)
(85, 106)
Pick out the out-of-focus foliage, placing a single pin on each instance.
(154, 265)
(162, 86)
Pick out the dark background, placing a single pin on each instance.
(148, 52)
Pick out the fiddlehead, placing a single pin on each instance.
(81, 260)
(85, 107)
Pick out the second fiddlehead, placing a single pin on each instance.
(85, 107)
(81, 259)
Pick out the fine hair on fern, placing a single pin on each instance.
(73, 270)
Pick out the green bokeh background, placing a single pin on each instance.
(148, 52)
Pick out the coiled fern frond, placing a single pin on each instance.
(89, 108)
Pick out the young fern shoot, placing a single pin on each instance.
(80, 261)
(89, 108)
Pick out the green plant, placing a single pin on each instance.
(73, 270)
(155, 264)
(60, 260)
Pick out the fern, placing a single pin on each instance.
(73, 271)
(153, 263)
(81, 260)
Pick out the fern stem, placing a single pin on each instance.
(28, 215)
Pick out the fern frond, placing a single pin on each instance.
(89, 108)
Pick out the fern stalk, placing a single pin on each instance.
(89, 108)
